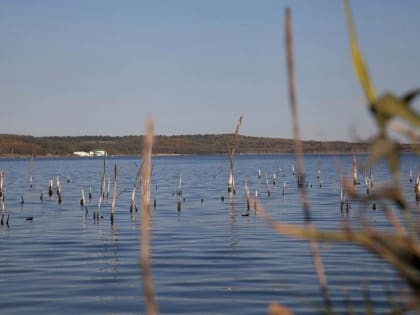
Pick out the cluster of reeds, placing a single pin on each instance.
(400, 247)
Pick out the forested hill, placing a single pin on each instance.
(16, 145)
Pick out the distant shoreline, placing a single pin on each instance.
(15, 146)
(46, 157)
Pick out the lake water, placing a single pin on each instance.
(207, 258)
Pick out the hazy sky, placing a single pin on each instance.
(98, 67)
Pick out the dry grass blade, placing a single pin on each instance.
(299, 160)
(151, 306)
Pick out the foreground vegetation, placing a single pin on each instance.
(17, 145)
(399, 247)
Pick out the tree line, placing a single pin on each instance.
(18, 145)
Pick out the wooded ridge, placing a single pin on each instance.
(18, 145)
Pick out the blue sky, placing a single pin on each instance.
(99, 67)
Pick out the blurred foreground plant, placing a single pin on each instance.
(400, 247)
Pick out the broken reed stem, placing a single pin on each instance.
(267, 186)
(299, 158)
(145, 263)
(108, 187)
(30, 169)
(247, 196)
(103, 179)
(1, 183)
(50, 187)
(102, 192)
(58, 189)
(132, 200)
(354, 169)
(179, 193)
(234, 145)
(114, 192)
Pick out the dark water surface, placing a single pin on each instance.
(207, 258)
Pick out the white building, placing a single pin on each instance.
(91, 153)
(81, 153)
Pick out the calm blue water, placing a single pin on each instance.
(207, 258)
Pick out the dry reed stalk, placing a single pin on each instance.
(1, 183)
(90, 192)
(108, 187)
(30, 170)
(179, 194)
(114, 193)
(58, 189)
(84, 206)
(132, 200)
(299, 154)
(3, 213)
(255, 200)
(267, 186)
(59, 195)
(3, 207)
(318, 176)
(57, 183)
(50, 187)
(179, 191)
(342, 195)
(247, 196)
(354, 168)
(145, 263)
(417, 186)
(82, 199)
(232, 149)
(102, 191)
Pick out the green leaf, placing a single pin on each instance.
(389, 106)
(357, 58)
(410, 96)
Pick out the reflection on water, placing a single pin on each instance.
(208, 255)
